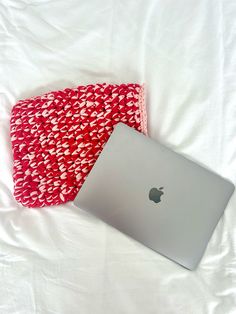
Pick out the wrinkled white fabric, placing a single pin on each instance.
(61, 259)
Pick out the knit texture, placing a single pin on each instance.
(57, 137)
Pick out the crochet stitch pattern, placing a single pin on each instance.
(57, 137)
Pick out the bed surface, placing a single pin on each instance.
(62, 260)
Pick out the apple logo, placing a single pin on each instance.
(155, 194)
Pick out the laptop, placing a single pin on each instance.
(156, 196)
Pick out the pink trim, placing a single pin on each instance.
(142, 107)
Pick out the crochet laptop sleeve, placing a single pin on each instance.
(57, 137)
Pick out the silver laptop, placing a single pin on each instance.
(156, 196)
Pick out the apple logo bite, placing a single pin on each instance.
(155, 194)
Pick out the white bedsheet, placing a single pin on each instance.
(62, 260)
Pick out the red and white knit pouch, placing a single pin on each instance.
(56, 138)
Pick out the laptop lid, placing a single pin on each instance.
(156, 196)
